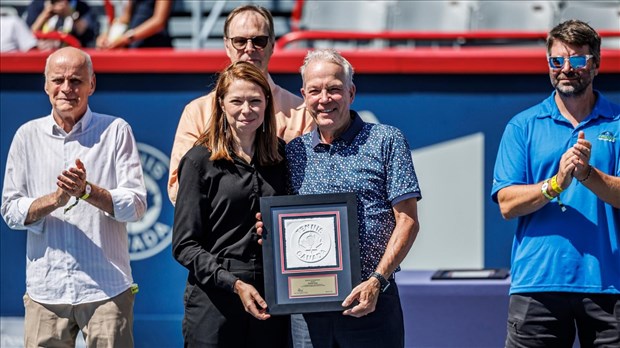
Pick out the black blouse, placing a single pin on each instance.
(215, 213)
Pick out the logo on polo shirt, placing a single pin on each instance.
(607, 136)
(152, 233)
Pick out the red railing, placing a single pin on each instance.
(464, 59)
(456, 37)
(426, 60)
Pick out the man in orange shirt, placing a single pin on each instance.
(248, 36)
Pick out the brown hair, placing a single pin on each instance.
(579, 33)
(252, 8)
(218, 137)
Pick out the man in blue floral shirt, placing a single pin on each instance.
(345, 154)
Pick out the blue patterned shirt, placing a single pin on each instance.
(371, 160)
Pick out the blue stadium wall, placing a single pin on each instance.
(430, 108)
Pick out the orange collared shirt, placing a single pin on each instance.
(292, 120)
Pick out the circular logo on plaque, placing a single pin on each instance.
(151, 235)
(312, 244)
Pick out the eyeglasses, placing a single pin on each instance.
(576, 62)
(239, 42)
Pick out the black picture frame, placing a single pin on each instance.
(311, 256)
(471, 273)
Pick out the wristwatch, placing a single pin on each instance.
(87, 190)
(384, 283)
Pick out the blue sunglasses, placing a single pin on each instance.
(576, 62)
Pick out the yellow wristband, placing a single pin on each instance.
(543, 189)
(87, 191)
(134, 288)
(555, 186)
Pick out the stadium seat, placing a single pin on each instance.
(430, 15)
(362, 15)
(600, 15)
(515, 15)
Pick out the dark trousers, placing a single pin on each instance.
(382, 328)
(216, 318)
(551, 319)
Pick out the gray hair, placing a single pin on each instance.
(332, 56)
(87, 59)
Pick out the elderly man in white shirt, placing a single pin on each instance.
(73, 180)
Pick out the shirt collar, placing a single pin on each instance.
(602, 108)
(272, 85)
(80, 126)
(348, 135)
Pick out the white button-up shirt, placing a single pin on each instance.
(81, 256)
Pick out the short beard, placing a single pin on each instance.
(576, 92)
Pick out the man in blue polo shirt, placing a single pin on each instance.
(345, 154)
(558, 172)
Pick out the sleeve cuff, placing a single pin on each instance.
(226, 280)
(127, 208)
(23, 205)
(406, 196)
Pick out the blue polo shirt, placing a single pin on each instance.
(371, 160)
(577, 250)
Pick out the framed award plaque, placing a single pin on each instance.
(310, 251)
